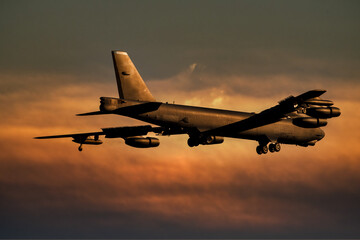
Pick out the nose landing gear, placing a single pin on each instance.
(263, 149)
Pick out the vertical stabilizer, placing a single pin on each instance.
(130, 84)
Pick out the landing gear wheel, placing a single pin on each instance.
(192, 142)
(277, 147)
(80, 148)
(272, 147)
(264, 149)
(258, 150)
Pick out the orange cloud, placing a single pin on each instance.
(225, 188)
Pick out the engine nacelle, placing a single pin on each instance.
(142, 142)
(308, 122)
(319, 101)
(323, 112)
(213, 140)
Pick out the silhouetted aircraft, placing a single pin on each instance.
(294, 120)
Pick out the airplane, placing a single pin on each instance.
(294, 120)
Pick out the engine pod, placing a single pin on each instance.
(319, 101)
(308, 122)
(142, 142)
(323, 112)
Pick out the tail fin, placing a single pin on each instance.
(130, 84)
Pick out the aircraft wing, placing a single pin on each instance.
(120, 132)
(109, 132)
(132, 135)
(74, 135)
(270, 115)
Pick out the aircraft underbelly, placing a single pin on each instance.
(283, 132)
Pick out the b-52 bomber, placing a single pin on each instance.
(294, 120)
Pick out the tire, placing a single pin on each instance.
(258, 150)
(272, 147)
(264, 149)
(192, 142)
(277, 147)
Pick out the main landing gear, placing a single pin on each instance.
(263, 149)
(193, 142)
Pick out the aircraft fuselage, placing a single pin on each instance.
(200, 119)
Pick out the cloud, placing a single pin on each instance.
(248, 38)
(115, 190)
(250, 56)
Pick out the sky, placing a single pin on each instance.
(55, 62)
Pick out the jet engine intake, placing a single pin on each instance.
(323, 112)
(142, 142)
(308, 122)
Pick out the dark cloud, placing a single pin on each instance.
(153, 198)
(247, 37)
(196, 81)
(242, 55)
(216, 191)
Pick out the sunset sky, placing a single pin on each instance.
(55, 62)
